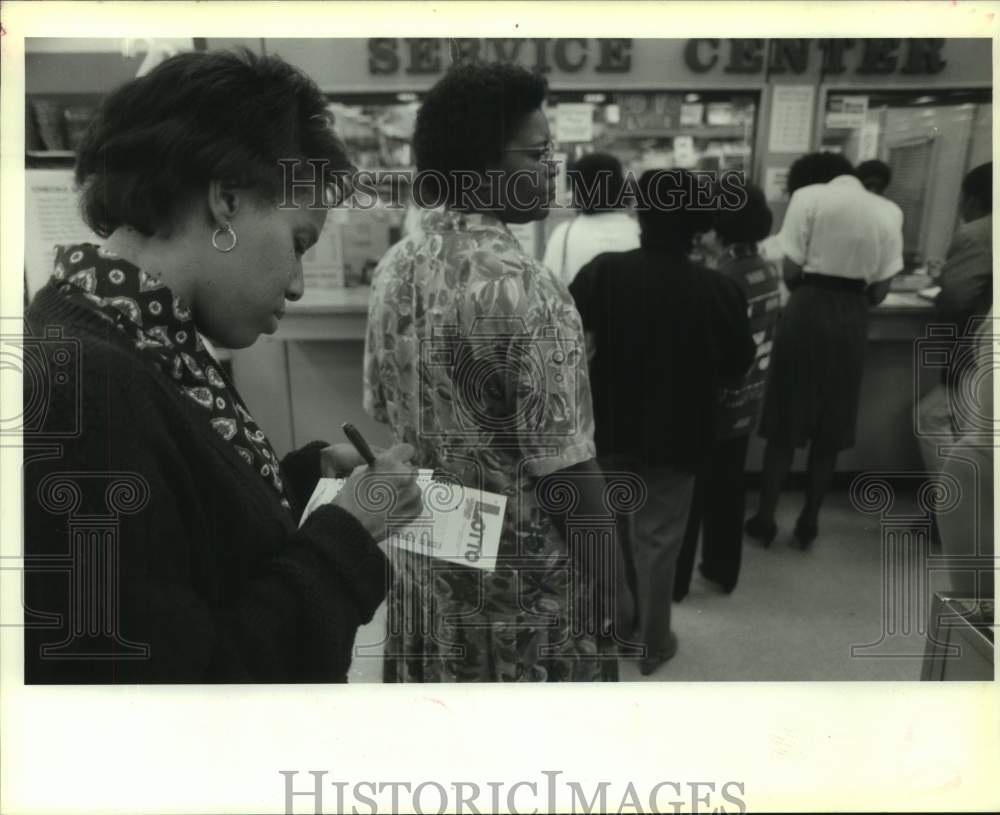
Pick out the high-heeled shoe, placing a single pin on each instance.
(805, 533)
(760, 530)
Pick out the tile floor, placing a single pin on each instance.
(794, 616)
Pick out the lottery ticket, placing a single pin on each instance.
(458, 524)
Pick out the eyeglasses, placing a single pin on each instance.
(544, 153)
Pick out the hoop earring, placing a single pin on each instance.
(215, 238)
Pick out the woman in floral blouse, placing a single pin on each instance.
(474, 355)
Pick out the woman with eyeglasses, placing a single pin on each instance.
(475, 356)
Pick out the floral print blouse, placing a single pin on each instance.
(475, 355)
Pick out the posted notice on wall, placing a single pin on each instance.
(692, 114)
(846, 112)
(791, 118)
(868, 141)
(775, 183)
(684, 153)
(459, 524)
(51, 217)
(323, 264)
(574, 122)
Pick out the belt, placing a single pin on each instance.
(825, 281)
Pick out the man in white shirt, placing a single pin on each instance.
(601, 224)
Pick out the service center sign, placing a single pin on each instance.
(417, 56)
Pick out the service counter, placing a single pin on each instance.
(302, 382)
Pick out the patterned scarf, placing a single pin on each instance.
(161, 329)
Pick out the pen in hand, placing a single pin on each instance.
(355, 438)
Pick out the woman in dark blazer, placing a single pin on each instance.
(162, 535)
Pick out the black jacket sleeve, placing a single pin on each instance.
(302, 471)
(734, 346)
(583, 288)
(209, 583)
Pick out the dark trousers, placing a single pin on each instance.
(654, 539)
(717, 508)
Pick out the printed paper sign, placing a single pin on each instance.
(684, 154)
(791, 118)
(775, 183)
(846, 112)
(868, 143)
(574, 122)
(692, 114)
(323, 264)
(720, 114)
(51, 218)
(459, 524)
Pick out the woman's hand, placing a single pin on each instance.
(792, 273)
(340, 460)
(877, 292)
(365, 497)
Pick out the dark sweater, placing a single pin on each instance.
(667, 334)
(212, 574)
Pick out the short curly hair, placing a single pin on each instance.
(667, 217)
(749, 224)
(467, 119)
(598, 183)
(197, 117)
(978, 184)
(817, 168)
(874, 170)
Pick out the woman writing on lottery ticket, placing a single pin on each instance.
(199, 572)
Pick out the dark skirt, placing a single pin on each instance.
(814, 382)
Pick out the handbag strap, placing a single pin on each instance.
(565, 246)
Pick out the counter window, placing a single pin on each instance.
(929, 139)
(645, 130)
